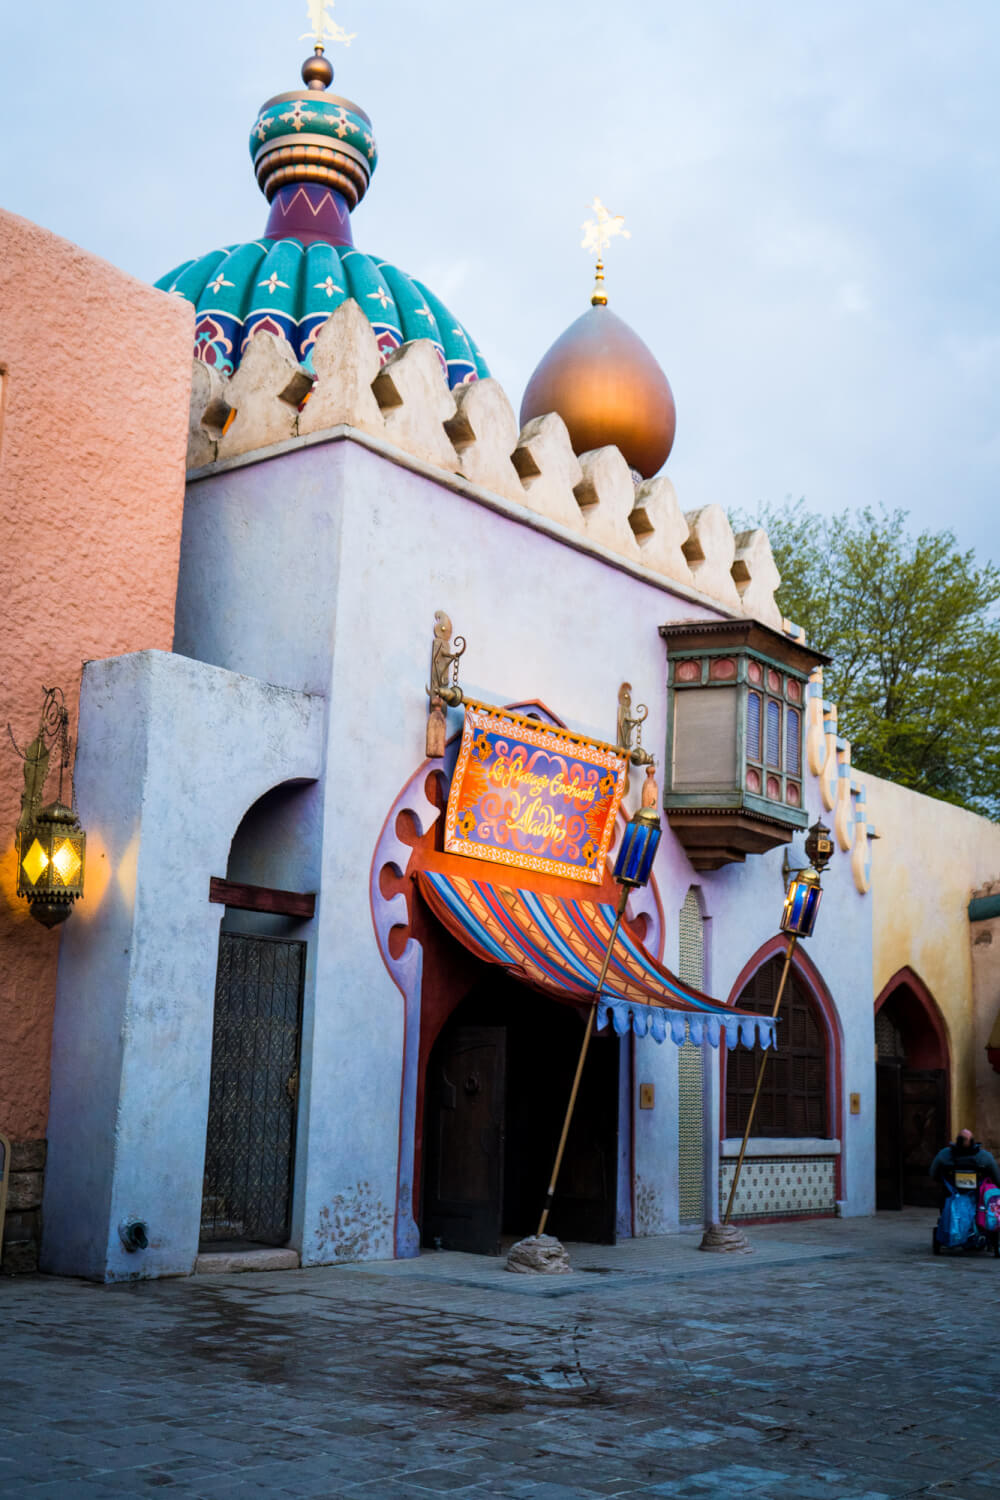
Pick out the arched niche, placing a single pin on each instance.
(912, 1091)
(276, 845)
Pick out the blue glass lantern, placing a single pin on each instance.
(640, 842)
(801, 903)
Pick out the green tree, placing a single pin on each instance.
(911, 625)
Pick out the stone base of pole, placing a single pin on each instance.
(541, 1254)
(726, 1238)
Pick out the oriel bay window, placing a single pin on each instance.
(734, 763)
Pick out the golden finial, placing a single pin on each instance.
(323, 27)
(597, 236)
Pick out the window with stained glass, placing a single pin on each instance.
(753, 726)
(773, 733)
(793, 741)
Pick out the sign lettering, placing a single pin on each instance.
(529, 795)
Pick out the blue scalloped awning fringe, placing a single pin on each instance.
(649, 1020)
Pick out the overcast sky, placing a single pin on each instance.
(812, 192)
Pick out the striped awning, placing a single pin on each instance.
(557, 946)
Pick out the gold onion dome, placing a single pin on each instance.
(606, 385)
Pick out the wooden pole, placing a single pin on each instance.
(622, 899)
(760, 1079)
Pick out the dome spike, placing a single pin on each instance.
(598, 233)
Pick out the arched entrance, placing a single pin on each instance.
(257, 1024)
(498, 1080)
(911, 1092)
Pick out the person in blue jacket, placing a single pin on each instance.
(965, 1154)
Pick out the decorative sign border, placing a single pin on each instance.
(514, 731)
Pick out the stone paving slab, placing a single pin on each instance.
(840, 1361)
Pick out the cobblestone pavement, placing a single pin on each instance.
(840, 1360)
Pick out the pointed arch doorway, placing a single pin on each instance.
(912, 1092)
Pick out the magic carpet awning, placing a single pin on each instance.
(557, 946)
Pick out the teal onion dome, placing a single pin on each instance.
(313, 154)
(288, 288)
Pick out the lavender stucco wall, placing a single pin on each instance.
(320, 570)
(543, 621)
(170, 753)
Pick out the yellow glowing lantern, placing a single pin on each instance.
(51, 845)
(51, 854)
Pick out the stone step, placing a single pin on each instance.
(226, 1262)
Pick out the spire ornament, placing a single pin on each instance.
(317, 71)
(323, 28)
(597, 236)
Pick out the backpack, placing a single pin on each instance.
(957, 1224)
(988, 1212)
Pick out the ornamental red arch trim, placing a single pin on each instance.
(909, 979)
(812, 980)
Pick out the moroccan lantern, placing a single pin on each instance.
(51, 855)
(640, 841)
(802, 900)
(51, 845)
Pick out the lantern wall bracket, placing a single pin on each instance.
(629, 729)
(53, 727)
(444, 688)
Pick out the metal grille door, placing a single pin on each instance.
(252, 1104)
(690, 1089)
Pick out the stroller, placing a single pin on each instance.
(970, 1217)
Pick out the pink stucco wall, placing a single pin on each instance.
(95, 370)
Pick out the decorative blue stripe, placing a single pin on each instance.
(544, 921)
(524, 942)
(472, 925)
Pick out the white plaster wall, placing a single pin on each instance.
(171, 752)
(543, 621)
(321, 570)
(259, 570)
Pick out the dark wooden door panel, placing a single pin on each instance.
(888, 1137)
(465, 1140)
(924, 1131)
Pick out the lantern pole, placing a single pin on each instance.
(633, 867)
(622, 899)
(760, 1079)
(798, 919)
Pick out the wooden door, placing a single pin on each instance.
(463, 1169)
(924, 1131)
(888, 1136)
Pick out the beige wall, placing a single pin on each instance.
(928, 859)
(96, 371)
(986, 991)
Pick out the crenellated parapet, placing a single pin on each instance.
(829, 758)
(471, 431)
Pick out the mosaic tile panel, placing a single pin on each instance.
(780, 1185)
(690, 1122)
